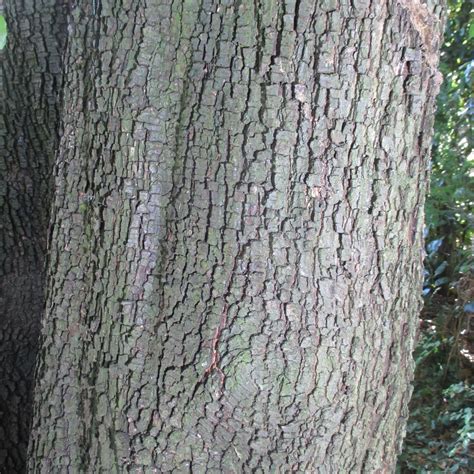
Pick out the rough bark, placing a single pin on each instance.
(30, 71)
(236, 250)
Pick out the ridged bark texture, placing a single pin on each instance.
(30, 72)
(236, 251)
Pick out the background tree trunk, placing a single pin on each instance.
(30, 76)
(236, 250)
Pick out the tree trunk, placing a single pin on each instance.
(30, 75)
(236, 248)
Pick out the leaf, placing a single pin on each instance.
(471, 31)
(434, 245)
(441, 281)
(441, 268)
(3, 32)
(469, 307)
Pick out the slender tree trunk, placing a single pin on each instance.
(30, 74)
(236, 250)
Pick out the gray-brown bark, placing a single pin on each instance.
(30, 71)
(236, 245)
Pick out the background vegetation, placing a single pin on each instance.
(441, 424)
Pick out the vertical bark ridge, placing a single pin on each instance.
(30, 78)
(236, 238)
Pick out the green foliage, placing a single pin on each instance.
(441, 425)
(449, 208)
(3, 32)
